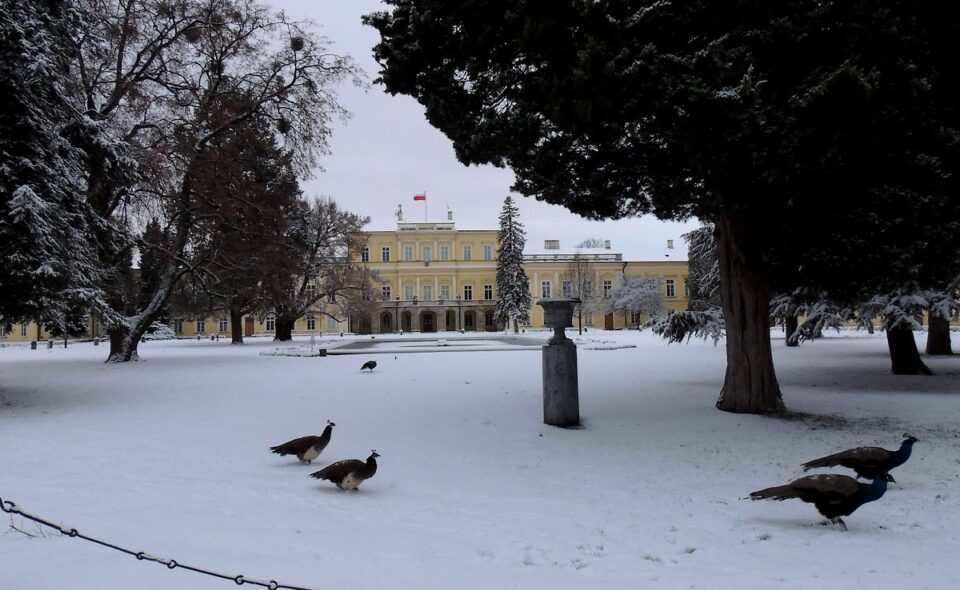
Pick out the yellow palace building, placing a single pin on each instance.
(433, 277)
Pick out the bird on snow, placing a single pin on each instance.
(868, 462)
(306, 448)
(350, 473)
(833, 495)
(369, 365)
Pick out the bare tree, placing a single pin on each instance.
(165, 79)
(317, 266)
(580, 274)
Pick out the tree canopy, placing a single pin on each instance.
(818, 136)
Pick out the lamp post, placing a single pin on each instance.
(397, 318)
(459, 320)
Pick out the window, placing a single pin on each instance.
(468, 321)
(271, 323)
(385, 254)
(445, 292)
(467, 252)
(607, 286)
(487, 252)
(385, 292)
(365, 254)
(444, 252)
(488, 291)
(311, 292)
(545, 289)
(686, 290)
(23, 330)
(408, 292)
(468, 292)
(201, 326)
(223, 324)
(178, 326)
(635, 317)
(331, 323)
(407, 253)
(427, 292)
(427, 253)
(671, 288)
(588, 318)
(567, 288)
(332, 297)
(311, 323)
(588, 288)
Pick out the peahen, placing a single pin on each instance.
(350, 473)
(868, 462)
(369, 365)
(834, 495)
(306, 448)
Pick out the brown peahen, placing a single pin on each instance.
(306, 448)
(349, 474)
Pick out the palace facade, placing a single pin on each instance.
(432, 277)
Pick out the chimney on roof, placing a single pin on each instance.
(606, 244)
(449, 214)
(669, 244)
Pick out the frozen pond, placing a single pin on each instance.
(443, 344)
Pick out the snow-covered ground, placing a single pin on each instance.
(170, 456)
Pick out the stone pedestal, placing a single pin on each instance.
(561, 398)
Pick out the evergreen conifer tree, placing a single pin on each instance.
(513, 285)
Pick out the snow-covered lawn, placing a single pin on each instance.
(170, 456)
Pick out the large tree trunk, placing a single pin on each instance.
(938, 336)
(284, 328)
(904, 356)
(236, 325)
(123, 347)
(790, 325)
(750, 384)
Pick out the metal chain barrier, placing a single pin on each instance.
(240, 580)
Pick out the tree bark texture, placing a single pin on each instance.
(904, 356)
(236, 326)
(750, 384)
(790, 325)
(284, 328)
(938, 336)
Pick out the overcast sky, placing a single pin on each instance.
(388, 152)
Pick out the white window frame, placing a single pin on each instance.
(270, 323)
(545, 288)
(201, 326)
(427, 253)
(445, 292)
(671, 287)
(607, 287)
(427, 292)
(365, 254)
(222, 324)
(488, 291)
(408, 292)
(487, 252)
(468, 252)
(385, 253)
(444, 252)
(385, 292)
(311, 323)
(468, 292)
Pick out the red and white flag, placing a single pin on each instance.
(422, 197)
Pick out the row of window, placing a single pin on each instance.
(426, 253)
(545, 290)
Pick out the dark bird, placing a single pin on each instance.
(350, 473)
(834, 495)
(369, 365)
(306, 448)
(868, 462)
